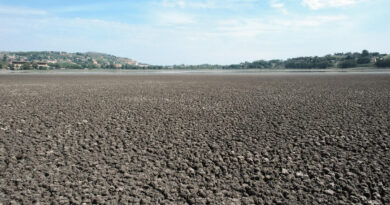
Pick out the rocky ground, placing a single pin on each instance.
(196, 139)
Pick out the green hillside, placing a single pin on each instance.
(67, 60)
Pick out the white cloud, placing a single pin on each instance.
(8, 10)
(279, 5)
(81, 8)
(174, 18)
(188, 4)
(319, 4)
(206, 4)
(253, 27)
(309, 21)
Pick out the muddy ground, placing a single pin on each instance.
(196, 139)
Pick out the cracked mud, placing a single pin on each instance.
(195, 139)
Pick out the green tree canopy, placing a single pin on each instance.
(348, 63)
(383, 63)
(364, 60)
(26, 66)
(365, 53)
(35, 66)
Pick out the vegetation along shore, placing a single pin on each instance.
(50, 60)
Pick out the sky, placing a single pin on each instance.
(167, 32)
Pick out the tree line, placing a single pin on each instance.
(337, 60)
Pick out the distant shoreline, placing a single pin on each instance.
(49, 60)
(197, 71)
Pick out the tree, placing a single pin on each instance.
(364, 60)
(349, 57)
(112, 65)
(383, 63)
(365, 53)
(5, 58)
(26, 66)
(309, 62)
(11, 66)
(54, 65)
(70, 65)
(375, 54)
(348, 63)
(90, 65)
(35, 66)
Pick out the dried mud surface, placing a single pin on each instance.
(195, 139)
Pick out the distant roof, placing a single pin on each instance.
(23, 62)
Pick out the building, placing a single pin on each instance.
(42, 64)
(18, 64)
(51, 61)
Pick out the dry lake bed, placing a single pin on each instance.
(195, 139)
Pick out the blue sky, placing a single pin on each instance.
(196, 31)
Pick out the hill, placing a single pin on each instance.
(54, 59)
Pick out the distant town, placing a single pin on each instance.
(49, 60)
(63, 60)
